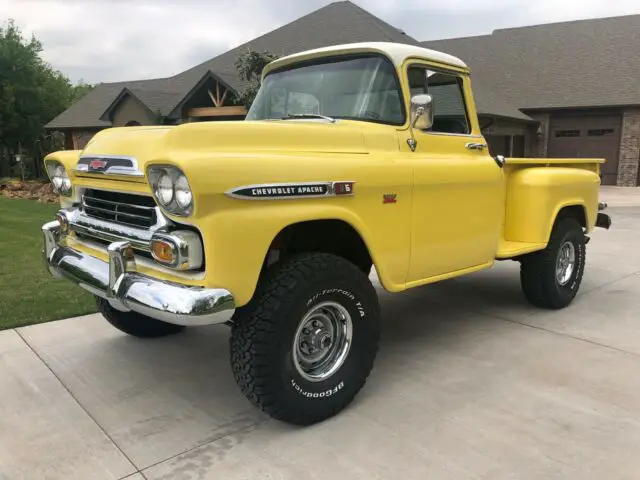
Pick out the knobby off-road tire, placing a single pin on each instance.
(543, 284)
(267, 345)
(134, 323)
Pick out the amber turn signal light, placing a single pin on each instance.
(163, 252)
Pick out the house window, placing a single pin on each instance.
(567, 133)
(602, 132)
(450, 114)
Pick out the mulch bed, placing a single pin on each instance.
(30, 190)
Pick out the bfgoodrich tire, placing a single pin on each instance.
(551, 278)
(135, 324)
(304, 346)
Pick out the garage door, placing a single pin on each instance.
(587, 136)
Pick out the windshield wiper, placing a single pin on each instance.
(308, 115)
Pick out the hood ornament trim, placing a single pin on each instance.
(108, 165)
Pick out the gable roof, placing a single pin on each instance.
(86, 112)
(154, 101)
(340, 22)
(584, 63)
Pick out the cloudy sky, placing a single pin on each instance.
(111, 40)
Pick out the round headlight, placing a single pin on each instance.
(58, 177)
(183, 192)
(164, 190)
(66, 184)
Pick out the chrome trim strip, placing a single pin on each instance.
(114, 212)
(118, 282)
(329, 192)
(132, 171)
(109, 237)
(111, 202)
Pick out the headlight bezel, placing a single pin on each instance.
(157, 172)
(59, 178)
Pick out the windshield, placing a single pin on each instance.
(358, 88)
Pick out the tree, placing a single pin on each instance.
(79, 90)
(249, 66)
(32, 93)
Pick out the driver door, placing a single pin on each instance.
(458, 191)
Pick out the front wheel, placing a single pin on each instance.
(305, 345)
(551, 278)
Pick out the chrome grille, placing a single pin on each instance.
(121, 208)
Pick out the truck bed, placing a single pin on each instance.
(537, 190)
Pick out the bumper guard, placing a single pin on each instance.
(126, 290)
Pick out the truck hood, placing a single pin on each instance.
(153, 144)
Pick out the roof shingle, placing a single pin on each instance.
(584, 63)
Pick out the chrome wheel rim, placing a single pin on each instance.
(565, 263)
(322, 341)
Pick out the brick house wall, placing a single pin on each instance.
(629, 148)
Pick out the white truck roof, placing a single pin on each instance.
(397, 52)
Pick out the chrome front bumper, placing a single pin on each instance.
(118, 282)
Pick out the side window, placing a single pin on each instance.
(449, 111)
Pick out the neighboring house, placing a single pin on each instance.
(207, 91)
(566, 89)
(580, 80)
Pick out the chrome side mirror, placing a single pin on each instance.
(421, 115)
(421, 112)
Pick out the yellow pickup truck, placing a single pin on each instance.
(351, 156)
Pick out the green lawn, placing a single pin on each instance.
(28, 294)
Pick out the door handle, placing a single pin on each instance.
(476, 146)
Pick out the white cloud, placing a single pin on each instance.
(110, 40)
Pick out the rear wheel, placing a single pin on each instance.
(305, 344)
(551, 278)
(136, 324)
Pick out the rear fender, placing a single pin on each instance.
(535, 197)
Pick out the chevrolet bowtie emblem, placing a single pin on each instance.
(97, 164)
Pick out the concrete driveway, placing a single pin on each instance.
(471, 382)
